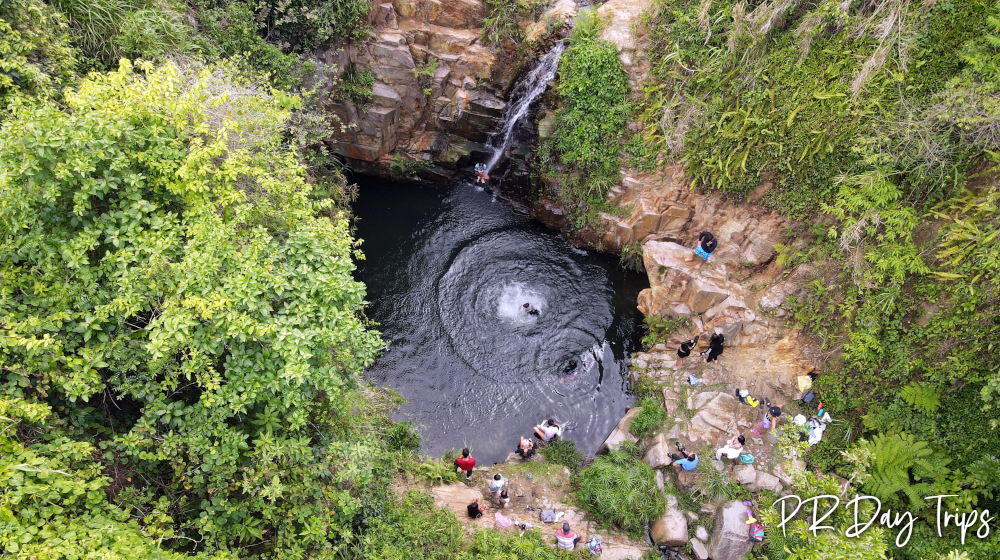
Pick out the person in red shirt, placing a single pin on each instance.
(466, 463)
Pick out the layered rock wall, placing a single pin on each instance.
(438, 91)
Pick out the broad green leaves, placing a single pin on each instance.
(159, 245)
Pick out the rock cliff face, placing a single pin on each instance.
(438, 91)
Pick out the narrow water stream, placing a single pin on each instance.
(447, 272)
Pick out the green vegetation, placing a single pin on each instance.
(619, 489)
(500, 24)
(659, 328)
(109, 30)
(650, 417)
(591, 122)
(563, 452)
(37, 58)
(877, 122)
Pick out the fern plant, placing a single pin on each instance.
(899, 464)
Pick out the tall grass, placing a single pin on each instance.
(108, 30)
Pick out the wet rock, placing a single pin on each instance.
(550, 214)
(671, 528)
(620, 433)
(729, 540)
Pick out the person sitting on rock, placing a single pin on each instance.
(770, 420)
(688, 462)
(475, 509)
(706, 246)
(732, 449)
(715, 345)
(548, 430)
(504, 499)
(481, 176)
(526, 448)
(683, 459)
(566, 539)
(685, 350)
(530, 309)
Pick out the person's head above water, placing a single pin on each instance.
(465, 452)
(526, 305)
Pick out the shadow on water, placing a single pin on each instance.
(447, 272)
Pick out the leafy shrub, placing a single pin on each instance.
(435, 471)
(563, 452)
(37, 59)
(620, 489)
(413, 528)
(649, 418)
(592, 121)
(209, 297)
(659, 329)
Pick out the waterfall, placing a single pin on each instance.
(529, 89)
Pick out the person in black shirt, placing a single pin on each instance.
(706, 246)
(685, 350)
(475, 510)
(714, 347)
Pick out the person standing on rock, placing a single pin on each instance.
(706, 246)
(732, 449)
(566, 539)
(685, 350)
(466, 462)
(714, 347)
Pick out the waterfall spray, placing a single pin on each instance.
(531, 88)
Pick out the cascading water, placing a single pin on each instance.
(531, 88)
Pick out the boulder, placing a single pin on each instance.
(657, 454)
(620, 434)
(729, 540)
(701, 533)
(715, 417)
(699, 549)
(767, 481)
(671, 529)
(746, 474)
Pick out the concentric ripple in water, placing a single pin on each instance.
(448, 272)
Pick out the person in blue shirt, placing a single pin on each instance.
(683, 459)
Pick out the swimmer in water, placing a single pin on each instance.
(530, 309)
(569, 371)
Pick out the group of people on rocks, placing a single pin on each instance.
(546, 431)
